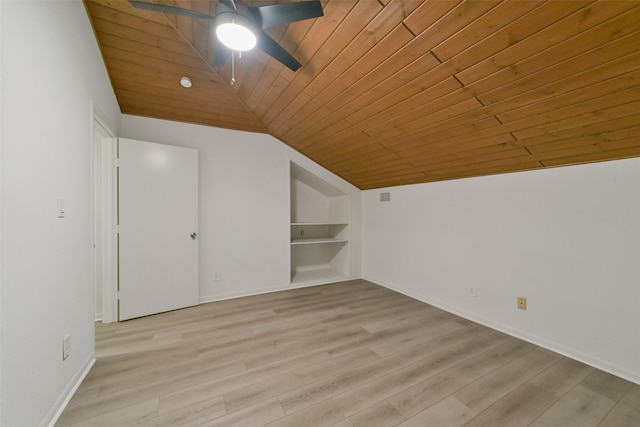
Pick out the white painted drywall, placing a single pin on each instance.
(51, 72)
(567, 239)
(244, 204)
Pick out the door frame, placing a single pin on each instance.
(105, 152)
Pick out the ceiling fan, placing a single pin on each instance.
(240, 27)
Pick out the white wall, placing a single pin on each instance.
(243, 204)
(567, 239)
(51, 72)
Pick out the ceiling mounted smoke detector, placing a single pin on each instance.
(185, 82)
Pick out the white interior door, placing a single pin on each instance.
(158, 225)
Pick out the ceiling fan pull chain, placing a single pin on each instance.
(233, 67)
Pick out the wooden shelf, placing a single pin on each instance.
(318, 223)
(317, 275)
(320, 240)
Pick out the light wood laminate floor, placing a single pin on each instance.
(345, 354)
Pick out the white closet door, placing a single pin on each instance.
(158, 214)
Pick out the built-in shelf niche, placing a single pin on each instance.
(319, 229)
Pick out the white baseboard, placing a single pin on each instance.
(62, 401)
(539, 341)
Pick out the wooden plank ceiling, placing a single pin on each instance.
(396, 92)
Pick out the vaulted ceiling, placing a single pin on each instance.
(396, 92)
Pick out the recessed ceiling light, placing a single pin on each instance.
(185, 81)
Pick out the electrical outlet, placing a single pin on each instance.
(522, 303)
(216, 276)
(66, 346)
(473, 292)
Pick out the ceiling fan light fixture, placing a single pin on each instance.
(234, 31)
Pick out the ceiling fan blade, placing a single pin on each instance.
(270, 47)
(221, 56)
(280, 14)
(230, 4)
(169, 9)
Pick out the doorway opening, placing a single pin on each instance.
(104, 222)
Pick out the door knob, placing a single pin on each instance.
(193, 236)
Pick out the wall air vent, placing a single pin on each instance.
(385, 197)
